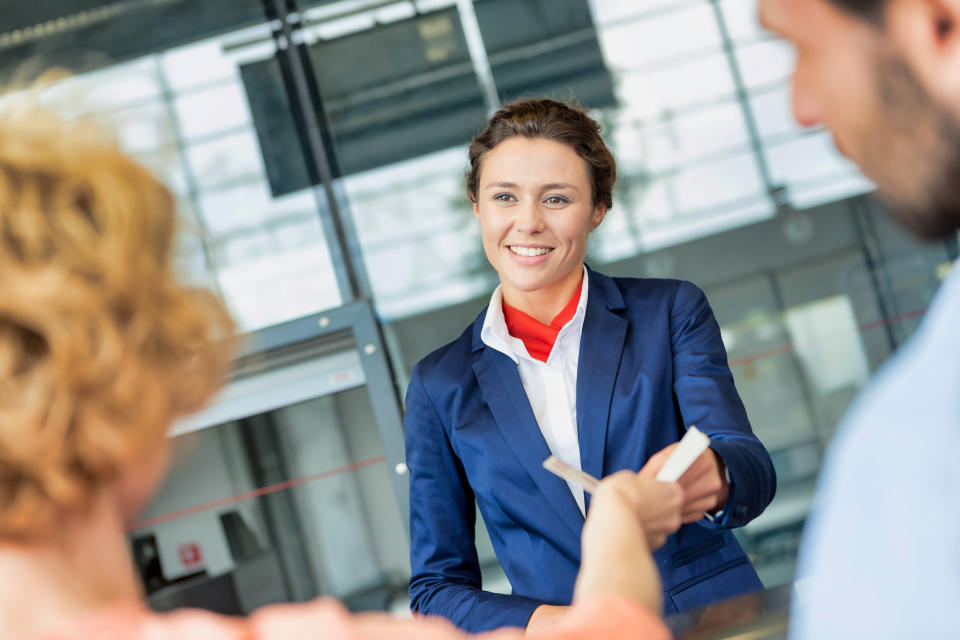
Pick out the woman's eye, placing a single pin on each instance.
(556, 200)
(504, 197)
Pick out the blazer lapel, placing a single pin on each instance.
(601, 346)
(503, 391)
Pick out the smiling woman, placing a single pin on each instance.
(536, 211)
(603, 373)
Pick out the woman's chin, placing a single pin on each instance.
(530, 284)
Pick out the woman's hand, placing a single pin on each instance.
(705, 486)
(615, 549)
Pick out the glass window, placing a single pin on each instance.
(658, 33)
(764, 63)
(177, 101)
(289, 498)
(741, 20)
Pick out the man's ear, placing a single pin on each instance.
(927, 35)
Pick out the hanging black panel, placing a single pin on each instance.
(83, 35)
(545, 48)
(388, 94)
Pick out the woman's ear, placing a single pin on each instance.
(599, 213)
(476, 206)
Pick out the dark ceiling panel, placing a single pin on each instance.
(390, 93)
(95, 33)
(545, 48)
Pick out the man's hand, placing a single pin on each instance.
(545, 617)
(705, 486)
(615, 549)
(658, 507)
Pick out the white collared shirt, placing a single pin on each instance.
(551, 386)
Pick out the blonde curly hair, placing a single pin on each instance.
(101, 347)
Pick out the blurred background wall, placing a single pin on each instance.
(317, 150)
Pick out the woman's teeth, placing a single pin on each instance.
(530, 252)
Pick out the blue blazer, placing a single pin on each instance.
(651, 363)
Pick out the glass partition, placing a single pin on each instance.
(167, 77)
(289, 499)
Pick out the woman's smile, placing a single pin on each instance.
(529, 255)
(529, 252)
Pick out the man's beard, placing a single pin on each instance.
(914, 153)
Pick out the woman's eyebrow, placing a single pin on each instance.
(545, 187)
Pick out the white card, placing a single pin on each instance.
(693, 443)
(558, 467)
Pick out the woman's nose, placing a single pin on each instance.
(529, 217)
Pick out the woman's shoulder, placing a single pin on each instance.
(449, 358)
(601, 616)
(134, 622)
(325, 618)
(329, 619)
(664, 290)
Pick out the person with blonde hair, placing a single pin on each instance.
(101, 348)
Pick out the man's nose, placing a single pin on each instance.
(806, 105)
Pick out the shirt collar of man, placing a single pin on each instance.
(496, 334)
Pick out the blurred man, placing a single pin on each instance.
(883, 543)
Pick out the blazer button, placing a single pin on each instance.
(741, 510)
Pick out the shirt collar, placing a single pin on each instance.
(494, 332)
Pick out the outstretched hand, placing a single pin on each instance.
(630, 515)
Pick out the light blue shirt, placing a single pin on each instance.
(882, 546)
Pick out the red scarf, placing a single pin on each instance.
(537, 337)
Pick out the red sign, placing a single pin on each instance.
(190, 555)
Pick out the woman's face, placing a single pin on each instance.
(535, 206)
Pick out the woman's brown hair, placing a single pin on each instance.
(550, 120)
(101, 347)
